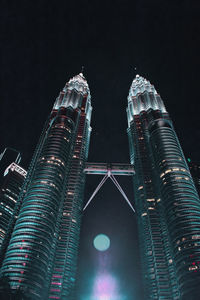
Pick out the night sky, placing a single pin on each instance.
(44, 44)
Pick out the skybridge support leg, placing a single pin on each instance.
(96, 190)
(116, 183)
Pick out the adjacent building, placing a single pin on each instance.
(14, 176)
(41, 258)
(166, 201)
(7, 157)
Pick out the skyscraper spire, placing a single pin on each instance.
(143, 96)
(73, 93)
(140, 85)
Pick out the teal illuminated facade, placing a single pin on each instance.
(14, 177)
(195, 172)
(41, 258)
(166, 200)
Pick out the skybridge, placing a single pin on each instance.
(113, 168)
(109, 170)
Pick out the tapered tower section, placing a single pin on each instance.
(166, 201)
(42, 254)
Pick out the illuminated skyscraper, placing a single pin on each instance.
(14, 176)
(41, 257)
(166, 200)
(7, 157)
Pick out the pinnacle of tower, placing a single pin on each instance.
(79, 79)
(72, 93)
(139, 98)
(141, 85)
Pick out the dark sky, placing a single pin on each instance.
(44, 43)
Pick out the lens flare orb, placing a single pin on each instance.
(101, 242)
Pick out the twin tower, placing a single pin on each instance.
(41, 256)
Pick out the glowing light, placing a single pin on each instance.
(101, 242)
(106, 288)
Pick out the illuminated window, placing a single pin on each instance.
(70, 193)
(192, 268)
(140, 187)
(66, 214)
(170, 261)
(194, 237)
(144, 214)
